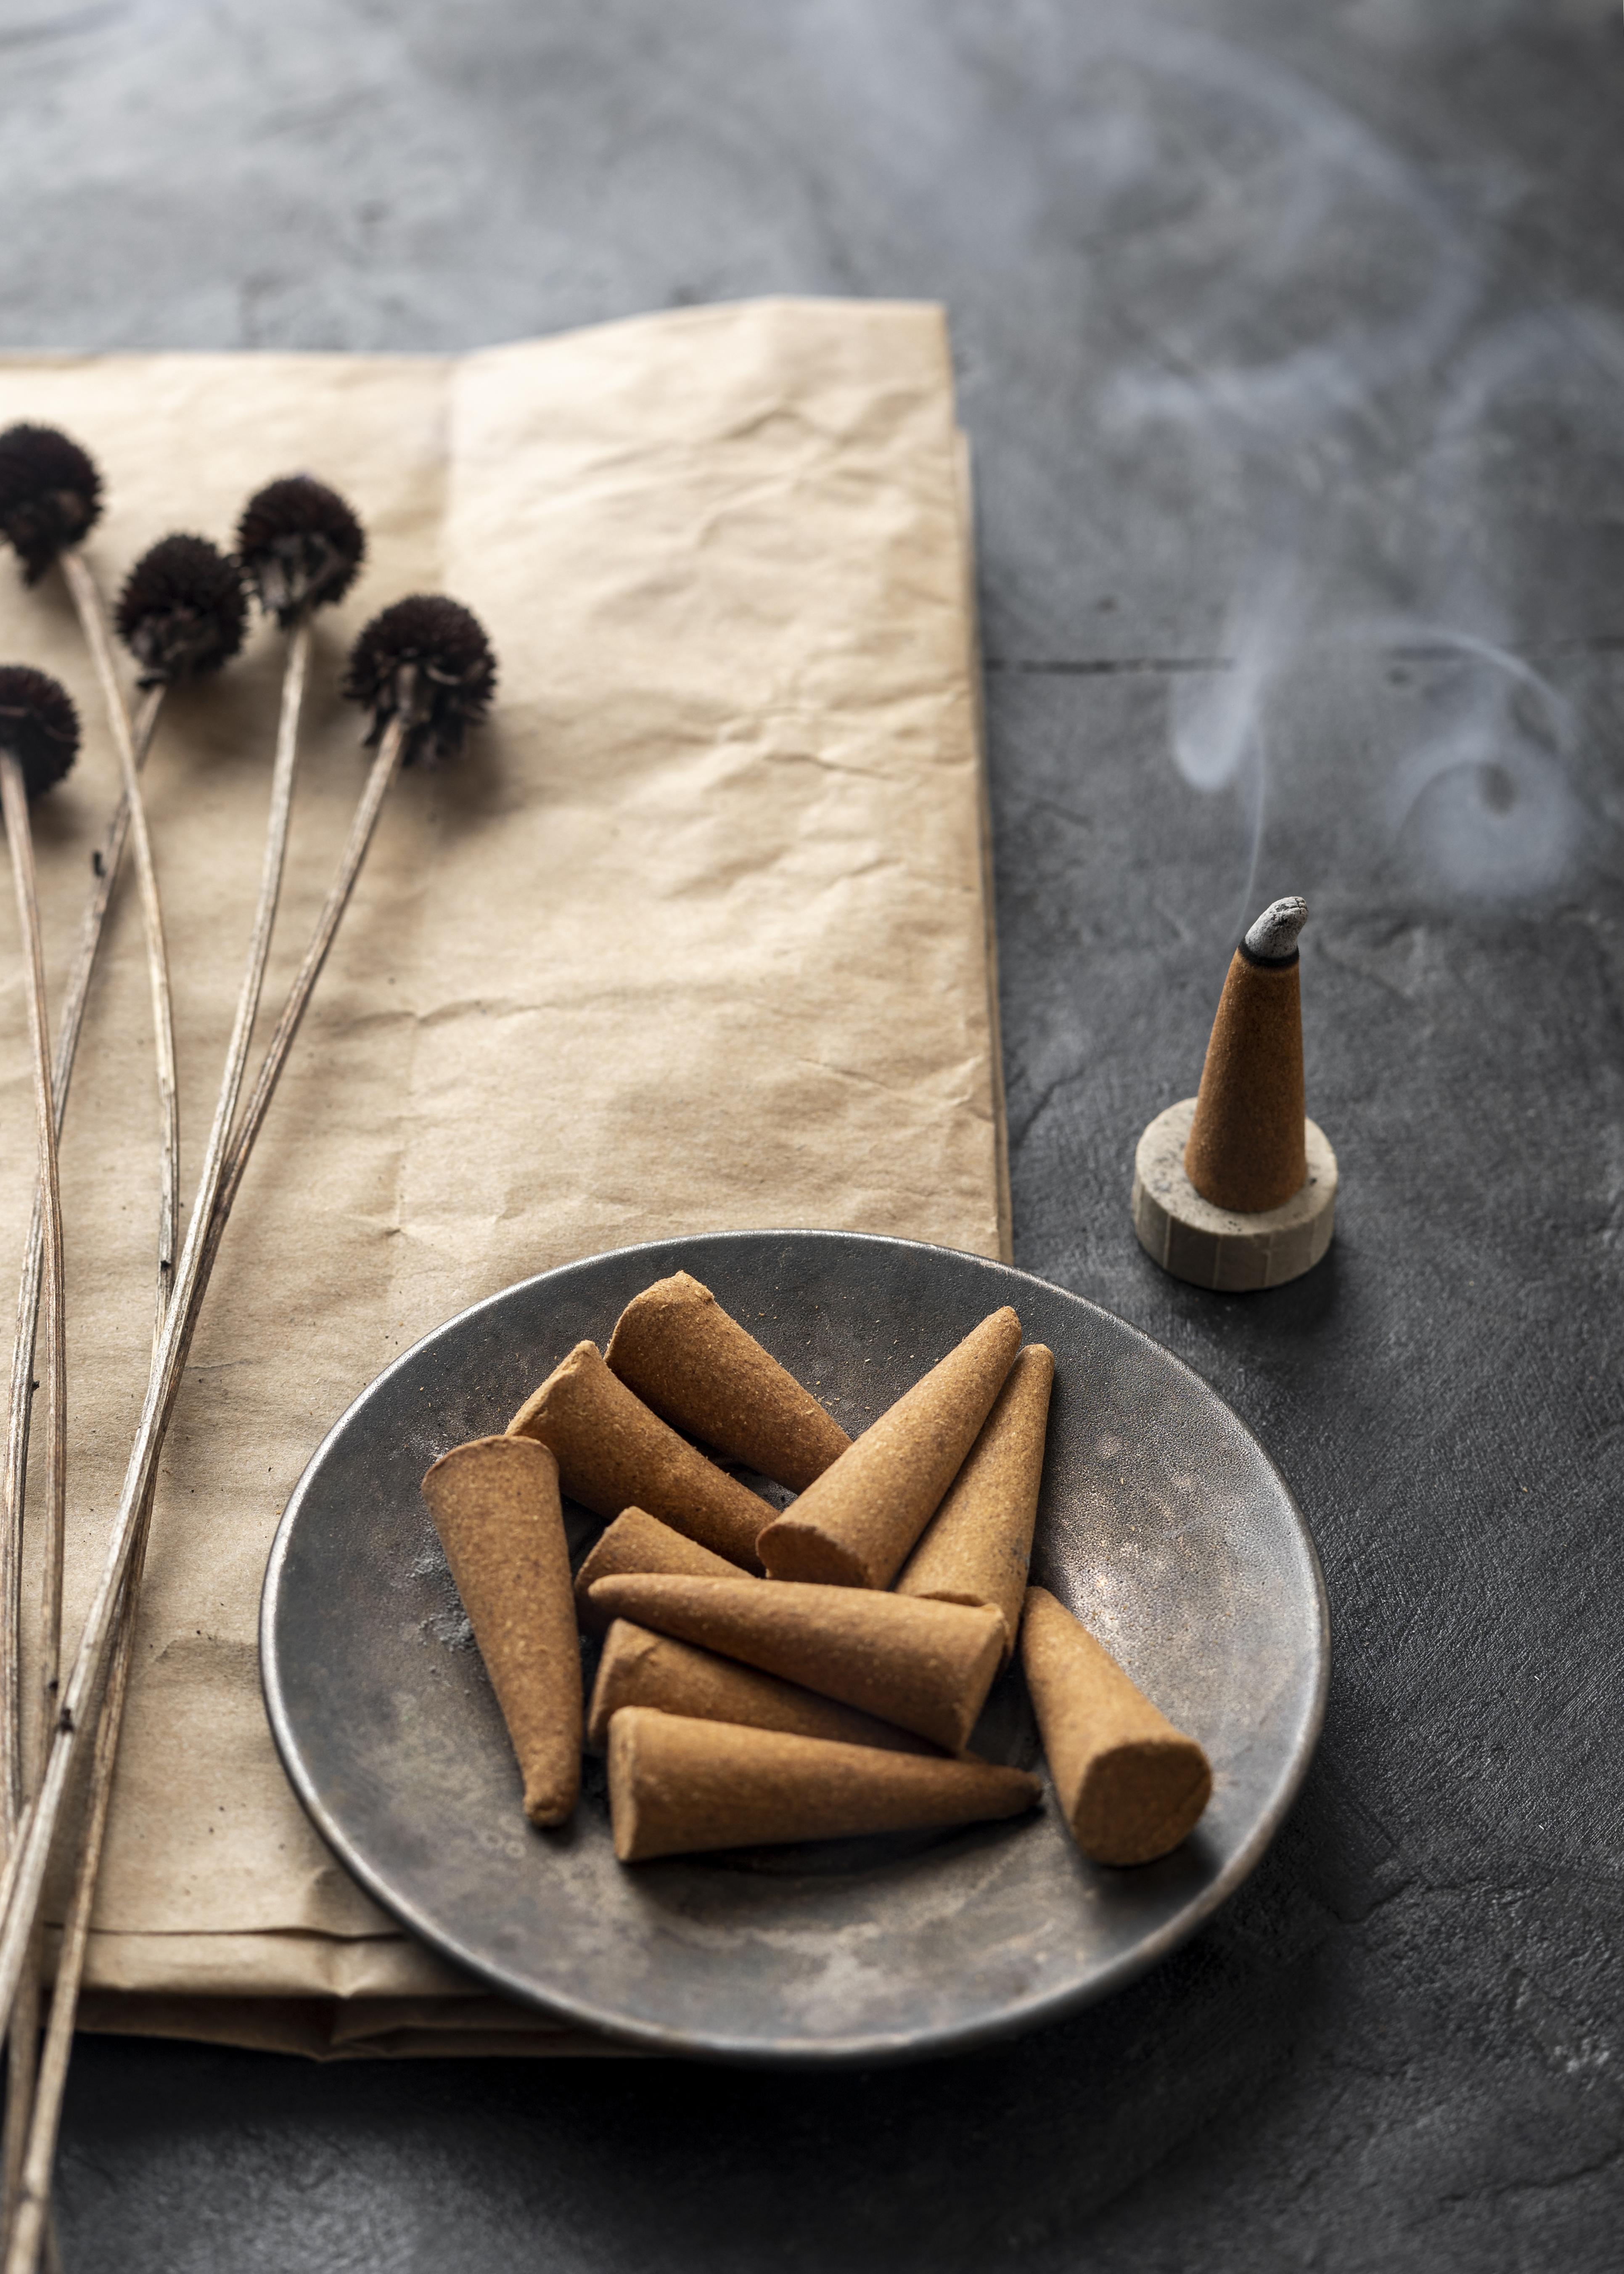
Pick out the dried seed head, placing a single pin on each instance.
(50, 494)
(451, 674)
(300, 546)
(38, 725)
(183, 611)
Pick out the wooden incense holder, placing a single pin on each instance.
(1222, 1248)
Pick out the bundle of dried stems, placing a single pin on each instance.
(425, 672)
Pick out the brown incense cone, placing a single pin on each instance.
(1131, 1784)
(976, 1547)
(678, 1786)
(612, 1453)
(855, 1526)
(495, 1505)
(926, 1667)
(637, 1541)
(700, 1370)
(1247, 1147)
(639, 1668)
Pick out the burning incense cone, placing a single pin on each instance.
(639, 1668)
(612, 1453)
(1132, 1786)
(637, 1541)
(977, 1545)
(700, 1370)
(677, 1787)
(495, 1505)
(1236, 1189)
(926, 1666)
(855, 1526)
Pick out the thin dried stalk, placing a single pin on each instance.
(32, 2199)
(19, 839)
(26, 1868)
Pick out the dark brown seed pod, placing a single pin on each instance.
(50, 496)
(300, 546)
(183, 611)
(455, 674)
(38, 725)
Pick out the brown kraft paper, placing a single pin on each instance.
(696, 937)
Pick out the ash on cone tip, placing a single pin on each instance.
(39, 726)
(50, 496)
(300, 546)
(1272, 938)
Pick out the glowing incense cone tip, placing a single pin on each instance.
(613, 1454)
(1273, 938)
(642, 1669)
(926, 1666)
(1130, 1785)
(855, 1526)
(702, 1372)
(637, 1541)
(495, 1505)
(679, 1787)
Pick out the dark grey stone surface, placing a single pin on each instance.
(1292, 345)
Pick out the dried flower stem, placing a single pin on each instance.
(26, 1868)
(20, 840)
(31, 2198)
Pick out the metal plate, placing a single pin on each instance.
(1162, 1523)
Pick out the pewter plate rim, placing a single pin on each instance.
(1020, 2014)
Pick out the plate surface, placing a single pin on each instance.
(1163, 1523)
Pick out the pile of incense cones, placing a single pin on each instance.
(422, 674)
(773, 1675)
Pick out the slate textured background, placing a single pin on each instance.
(1292, 346)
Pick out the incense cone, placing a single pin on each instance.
(1132, 1786)
(639, 1668)
(977, 1545)
(495, 1505)
(855, 1526)
(926, 1667)
(1236, 1189)
(612, 1453)
(700, 1370)
(637, 1541)
(1245, 1149)
(677, 1786)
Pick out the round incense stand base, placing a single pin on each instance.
(1220, 1248)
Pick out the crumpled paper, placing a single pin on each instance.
(697, 935)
